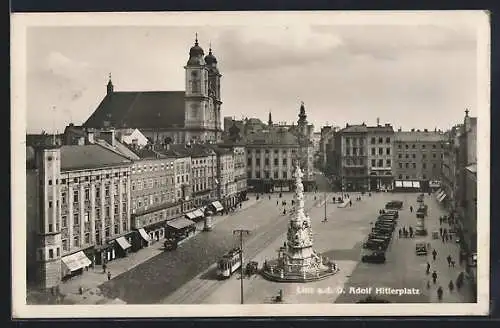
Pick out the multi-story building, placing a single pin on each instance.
(240, 170)
(450, 170)
(154, 197)
(83, 215)
(380, 140)
(418, 157)
(226, 183)
(353, 157)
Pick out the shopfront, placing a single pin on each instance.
(217, 206)
(407, 186)
(144, 239)
(122, 247)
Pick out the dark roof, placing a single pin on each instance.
(193, 150)
(146, 153)
(380, 128)
(275, 136)
(354, 129)
(43, 139)
(88, 157)
(143, 109)
(419, 136)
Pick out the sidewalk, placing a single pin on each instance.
(90, 280)
(443, 249)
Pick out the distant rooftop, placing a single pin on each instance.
(89, 157)
(419, 136)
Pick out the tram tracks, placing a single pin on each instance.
(198, 289)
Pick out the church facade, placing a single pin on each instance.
(193, 115)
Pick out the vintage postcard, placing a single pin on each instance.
(250, 164)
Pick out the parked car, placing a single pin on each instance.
(421, 249)
(375, 257)
(384, 237)
(394, 213)
(376, 244)
(394, 205)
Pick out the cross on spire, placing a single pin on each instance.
(196, 38)
(466, 112)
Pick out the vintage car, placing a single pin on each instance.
(375, 257)
(376, 244)
(171, 243)
(421, 248)
(394, 213)
(382, 230)
(384, 237)
(394, 205)
(252, 268)
(383, 225)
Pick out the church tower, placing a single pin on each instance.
(197, 115)
(214, 102)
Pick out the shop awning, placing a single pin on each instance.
(191, 215)
(218, 206)
(440, 194)
(180, 223)
(124, 244)
(407, 184)
(76, 261)
(443, 196)
(144, 234)
(198, 214)
(416, 184)
(398, 183)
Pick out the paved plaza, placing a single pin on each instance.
(187, 275)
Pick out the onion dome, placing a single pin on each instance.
(196, 54)
(210, 58)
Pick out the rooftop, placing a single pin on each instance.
(140, 109)
(89, 157)
(419, 136)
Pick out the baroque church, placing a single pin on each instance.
(193, 115)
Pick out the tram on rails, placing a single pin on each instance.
(229, 263)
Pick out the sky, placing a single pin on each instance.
(412, 76)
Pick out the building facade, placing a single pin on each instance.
(83, 216)
(418, 156)
(353, 158)
(380, 153)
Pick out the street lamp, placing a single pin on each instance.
(325, 208)
(241, 232)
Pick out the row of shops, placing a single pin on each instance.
(272, 185)
(179, 228)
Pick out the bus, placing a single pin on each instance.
(229, 263)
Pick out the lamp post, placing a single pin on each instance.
(325, 208)
(241, 232)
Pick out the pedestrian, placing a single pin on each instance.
(411, 209)
(440, 293)
(109, 275)
(442, 238)
(411, 232)
(434, 276)
(284, 211)
(451, 286)
(434, 254)
(448, 258)
(460, 280)
(428, 270)
(276, 203)
(452, 263)
(400, 232)
(350, 203)
(441, 232)
(445, 232)
(104, 267)
(269, 197)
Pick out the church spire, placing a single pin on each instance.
(302, 114)
(270, 120)
(110, 87)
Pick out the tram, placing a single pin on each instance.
(229, 263)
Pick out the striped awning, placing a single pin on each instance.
(191, 215)
(124, 244)
(443, 196)
(144, 234)
(198, 213)
(218, 206)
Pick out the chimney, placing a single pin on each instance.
(378, 121)
(109, 137)
(412, 130)
(399, 130)
(425, 130)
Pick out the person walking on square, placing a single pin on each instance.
(440, 293)
(400, 232)
(441, 232)
(411, 232)
(451, 286)
(109, 275)
(434, 254)
(452, 263)
(428, 270)
(434, 276)
(104, 267)
(411, 209)
(448, 258)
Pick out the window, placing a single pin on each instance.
(372, 141)
(399, 146)
(414, 165)
(267, 174)
(433, 155)
(50, 227)
(413, 156)
(373, 163)
(407, 176)
(276, 161)
(51, 253)
(75, 196)
(424, 166)
(107, 212)
(434, 165)
(266, 161)
(388, 151)
(76, 218)
(406, 146)
(86, 217)
(65, 245)
(124, 226)
(400, 176)
(276, 175)
(387, 140)
(257, 161)
(106, 232)
(285, 173)
(64, 221)
(106, 191)
(373, 151)
(97, 213)
(407, 165)
(400, 165)
(124, 207)
(424, 156)
(423, 146)
(380, 140)
(76, 241)
(284, 162)
(257, 174)
(87, 238)
(63, 198)
(50, 204)
(407, 156)
(413, 146)
(249, 162)
(117, 229)
(434, 146)
(380, 163)
(87, 194)
(424, 176)
(388, 163)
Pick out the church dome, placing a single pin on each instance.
(210, 58)
(196, 54)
